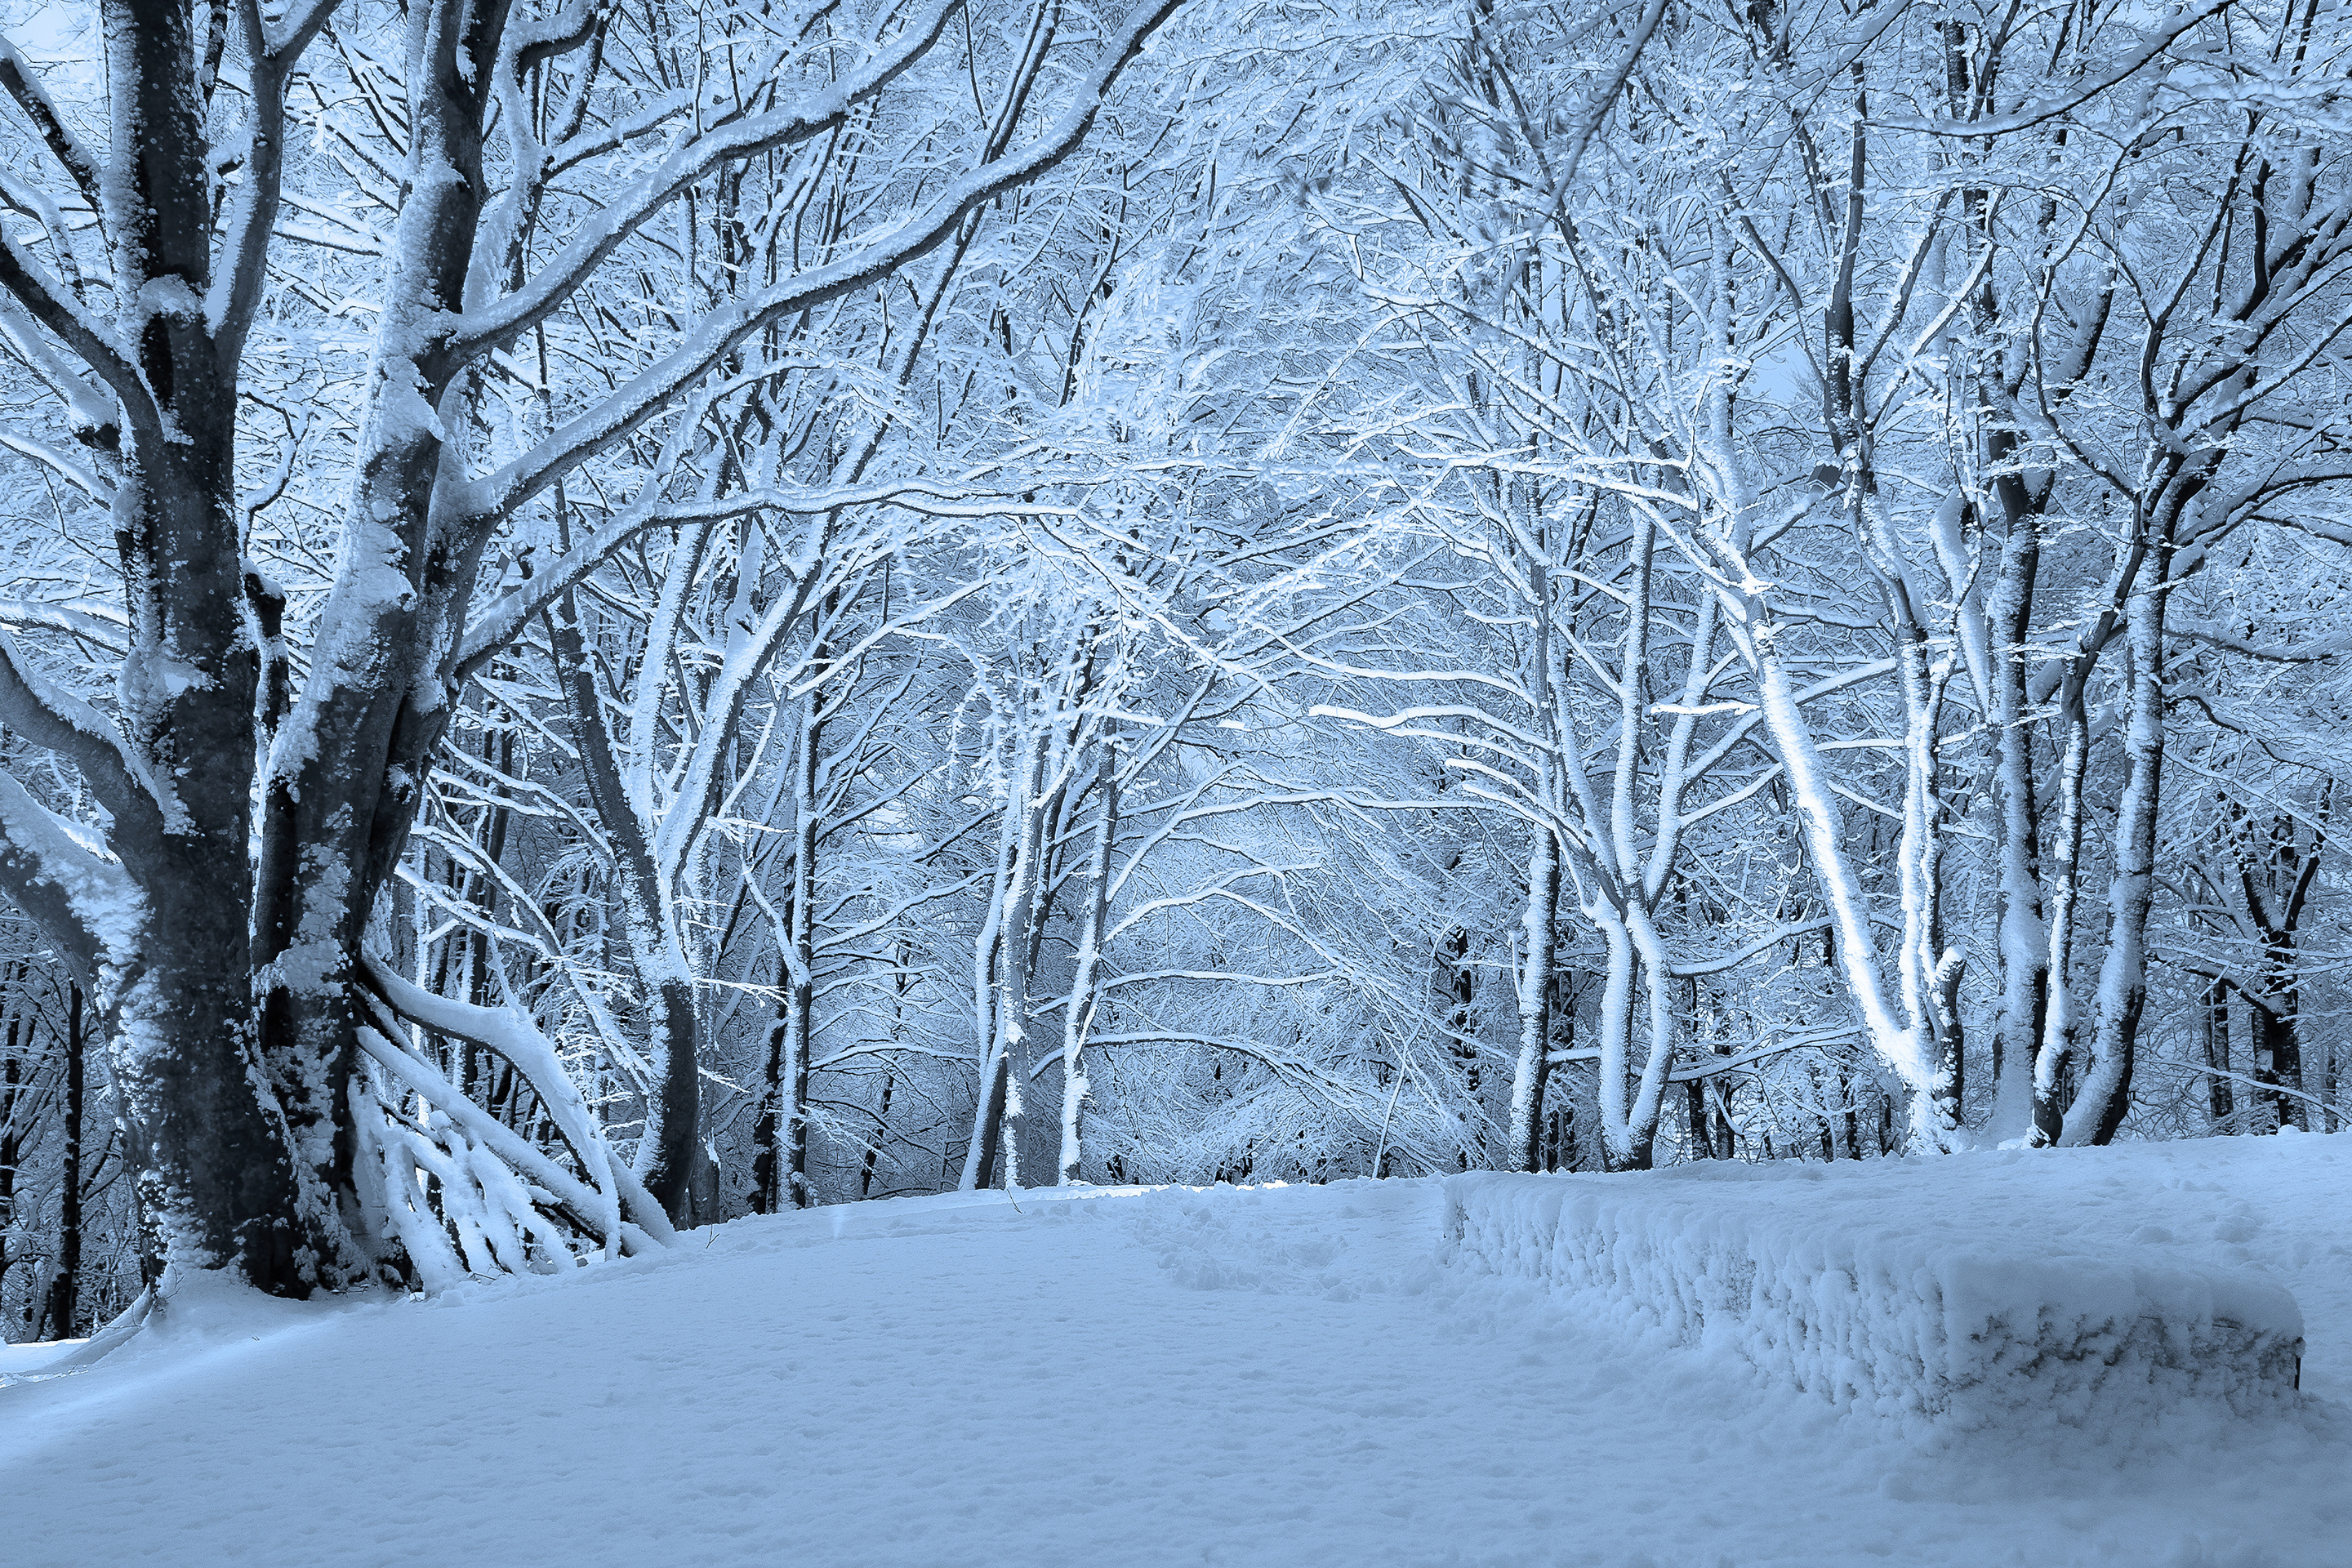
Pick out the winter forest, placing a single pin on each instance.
(624, 613)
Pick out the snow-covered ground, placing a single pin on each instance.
(1287, 1376)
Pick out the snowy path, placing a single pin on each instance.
(1280, 1377)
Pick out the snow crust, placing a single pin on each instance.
(1921, 1291)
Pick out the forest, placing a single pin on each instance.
(620, 613)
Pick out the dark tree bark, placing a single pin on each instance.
(11, 1098)
(63, 1309)
(2276, 872)
(2213, 1016)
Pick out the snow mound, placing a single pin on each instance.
(1892, 1289)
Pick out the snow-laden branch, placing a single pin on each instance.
(513, 1036)
(1718, 1067)
(496, 495)
(101, 627)
(48, 301)
(562, 278)
(88, 408)
(614, 1202)
(251, 221)
(1225, 976)
(55, 870)
(2154, 42)
(22, 84)
(578, 1203)
(49, 716)
(82, 477)
(1733, 960)
(519, 605)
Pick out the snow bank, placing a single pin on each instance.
(1901, 1290)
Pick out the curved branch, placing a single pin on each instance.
(17, 79)
(2153, 42)
(85, 905)
(64, 723)
(547, 294)
(47, 303)
(497, 495)
(253, 221)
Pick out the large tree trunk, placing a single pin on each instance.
(11, 1096)
(214, 1164)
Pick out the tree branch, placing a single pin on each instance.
(85, 905)
(497, 495)
(65, 724)
(548, 292)
(48, 304)
(16, 77)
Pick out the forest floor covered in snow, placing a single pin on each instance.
(1299, 1375)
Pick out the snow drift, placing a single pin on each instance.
(1899, 1292)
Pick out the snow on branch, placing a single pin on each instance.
(102, 625)
(251, 221)
(611, 1204)
(48, 302)
(538, 593)
(82, 477)
(1733, 960)
(86, 904)
(17, 79)
(49, 716)
(2153, 43)
(564, 276)
(496, 496)
(90, 408)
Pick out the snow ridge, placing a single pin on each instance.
(1942, 1322)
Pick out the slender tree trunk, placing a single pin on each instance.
(1078, 1013)
(2060, 1026)
(1898, 1042)
(2278, 1053)
(2104, 1096)
(1000, 1103)
(2276, 878)
(2214, 1018)
(801, 960)
(873, 1146)
(669, 1150)
(12, 1092)
(1621, 1147)
(63, 1309)
(2023, 940)
(1532, 1070)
